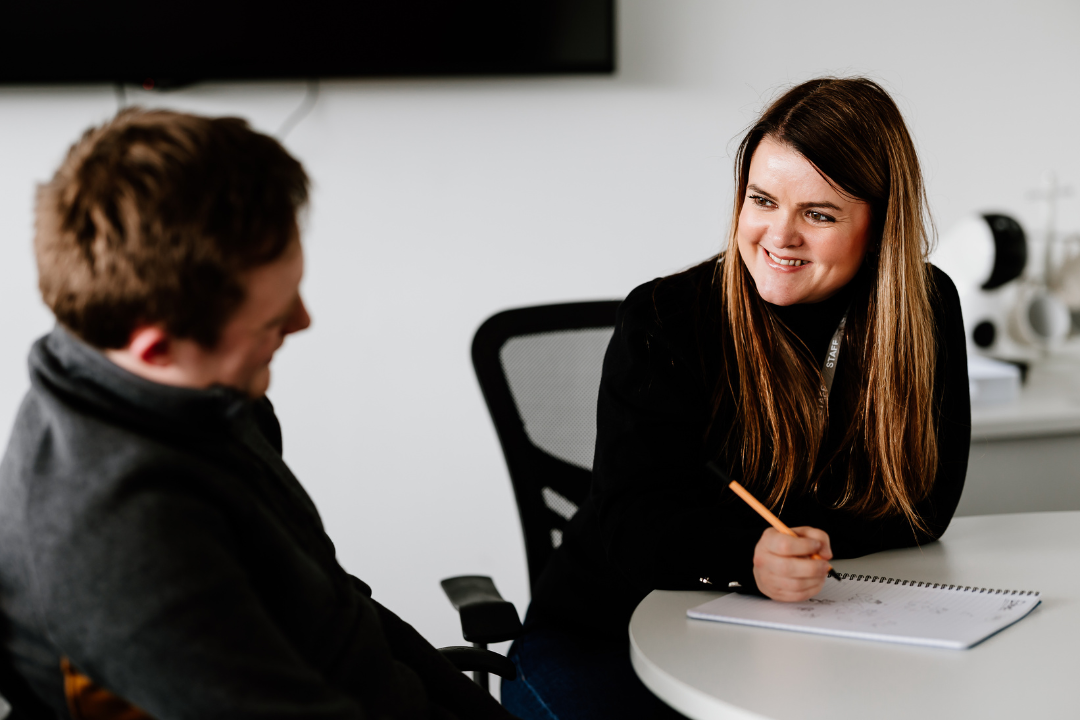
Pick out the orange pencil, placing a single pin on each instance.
(762, 510)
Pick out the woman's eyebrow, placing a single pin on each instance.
(761, 191)
(820, 204)
(801, 206)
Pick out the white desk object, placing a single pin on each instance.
(714, 671)
(992, 381)
(1025, 454)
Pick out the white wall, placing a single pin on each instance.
(438, 203)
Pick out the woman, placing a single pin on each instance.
(820, 360)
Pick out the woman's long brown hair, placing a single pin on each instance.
(853, 133)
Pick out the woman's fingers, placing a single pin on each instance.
(778, 543)
(796, 568)
(783, 566)
(821, 536)
(787, 588)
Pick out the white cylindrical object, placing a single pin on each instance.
(1039, 319)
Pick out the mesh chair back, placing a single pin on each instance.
(539, 369)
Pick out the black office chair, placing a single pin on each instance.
(539, 370)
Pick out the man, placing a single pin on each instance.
(157, 557)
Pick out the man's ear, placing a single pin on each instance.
(151, 345)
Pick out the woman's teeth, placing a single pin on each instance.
(781, 261)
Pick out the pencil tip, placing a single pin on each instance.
(833, 573)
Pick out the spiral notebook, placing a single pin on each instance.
(885, 609)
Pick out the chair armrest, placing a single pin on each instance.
(475, 659)
(485, 616)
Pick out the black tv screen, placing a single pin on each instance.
(164, 44)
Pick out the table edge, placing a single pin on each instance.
(690, 701)
(696, 703)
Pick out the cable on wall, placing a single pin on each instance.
(301, 111)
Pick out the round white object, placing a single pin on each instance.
(966, 253)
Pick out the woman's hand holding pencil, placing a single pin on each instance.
(790, 564)
(791, 569)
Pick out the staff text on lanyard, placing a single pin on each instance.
(828, 370)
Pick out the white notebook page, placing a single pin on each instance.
(882, 609)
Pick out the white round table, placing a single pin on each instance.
(710, 670)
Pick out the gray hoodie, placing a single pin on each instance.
(153, 540)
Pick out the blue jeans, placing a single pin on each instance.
(566, 677)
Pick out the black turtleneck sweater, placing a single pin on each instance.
(655, 518)
(154, 546)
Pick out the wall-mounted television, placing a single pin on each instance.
(169, 43)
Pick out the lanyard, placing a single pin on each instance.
(828, 370)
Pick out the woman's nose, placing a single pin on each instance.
(783, 233)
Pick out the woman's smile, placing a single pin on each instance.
(788, 264)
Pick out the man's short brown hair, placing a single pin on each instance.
(153, 218)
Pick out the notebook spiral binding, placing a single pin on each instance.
(935, 586)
